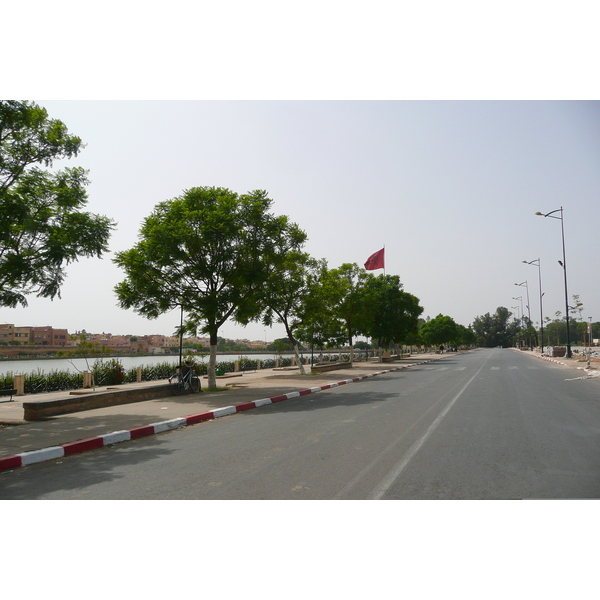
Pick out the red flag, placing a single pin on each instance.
(375, 261)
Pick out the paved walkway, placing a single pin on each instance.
(18, 436)
(578, 362)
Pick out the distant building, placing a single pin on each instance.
(23, 335)
(257, 344)
(7, 333)
(157, 341)
(140, 344)
(48, 336)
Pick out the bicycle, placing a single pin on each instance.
(184, 379)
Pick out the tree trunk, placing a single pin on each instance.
(351, 350)
(298, 360)
(212, 361)
(294, 344)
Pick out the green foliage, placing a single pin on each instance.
(363, 345)
(496, 330)
(42, 226)
(84, 348)
(210, 251)
(282, 345)
(392, 314)
(288, 296)
(108, 372)
(347, 286)
(225, 345)
(39, 382)
(466, 336)
(441, 330)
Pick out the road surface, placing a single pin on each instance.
(489, 424)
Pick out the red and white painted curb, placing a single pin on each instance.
(36, 456)
(590, 372)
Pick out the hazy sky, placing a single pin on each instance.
(449, 187)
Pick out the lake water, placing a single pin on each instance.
(74, 365)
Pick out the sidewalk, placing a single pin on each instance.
(19, 436)
(578, 362)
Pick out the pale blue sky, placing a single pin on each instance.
(449, 187)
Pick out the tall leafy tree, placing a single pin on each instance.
(348, 292)
(42, 225)
(211, 252)
(497, 329)
(466, 336)
(392, 313)
(293, 296)
(441, 330)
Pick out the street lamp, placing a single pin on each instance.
(522, 312)
(589, 336)
(539, 266)
(527, 288)
(563, 264)
(528, 309)
(516, 334)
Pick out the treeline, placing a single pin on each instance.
(222, 256)
(503, 329)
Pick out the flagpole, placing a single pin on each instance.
(384, 260)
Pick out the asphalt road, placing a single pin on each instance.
(491, 424)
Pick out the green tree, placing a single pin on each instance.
(281, 345)
(439, 331)
(42, 226)
(466, 336)
(209, 250)
(393, 314)
(496, 330)
(348, 291)
(293, 297)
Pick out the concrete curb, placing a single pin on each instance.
(590, 372)
(36, 456)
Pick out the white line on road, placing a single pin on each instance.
(389, 480)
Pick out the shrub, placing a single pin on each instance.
(108, 372)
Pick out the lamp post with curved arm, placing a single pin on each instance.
(522, 316)
(528, 309)
(563, 264)
(516, 335)
(539, 266)
(522, 312)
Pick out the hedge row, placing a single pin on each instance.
(111, 372)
